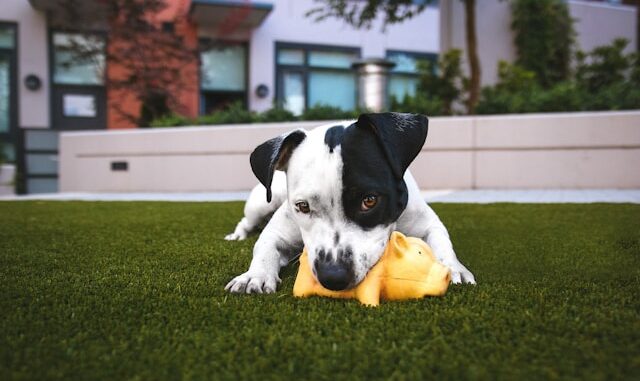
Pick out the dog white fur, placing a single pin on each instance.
(314, 175)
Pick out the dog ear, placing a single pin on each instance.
(401, 136)
(274, 155)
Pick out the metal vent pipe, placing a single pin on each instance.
(373, 81)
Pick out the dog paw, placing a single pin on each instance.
(460, 274)
(235, 237)
(253, 283)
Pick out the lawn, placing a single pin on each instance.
(114, 291)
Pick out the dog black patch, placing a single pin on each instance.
(333, 137)
(375, 154)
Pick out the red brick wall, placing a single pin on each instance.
(123, 103)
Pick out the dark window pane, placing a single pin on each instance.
(293, 92)
(223, 68)
(332, 89)
(291, 57)
(7, 37)
(329, 59)
(78, 59)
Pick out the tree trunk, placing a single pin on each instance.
(472, 54)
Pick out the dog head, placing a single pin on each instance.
(345, 188)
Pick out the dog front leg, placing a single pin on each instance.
(437, 236)
(278, 243)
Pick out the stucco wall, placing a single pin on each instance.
(595, 24)
(564, 150)
(33, 58)
(288, 23)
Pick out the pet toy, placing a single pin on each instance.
(407, 270)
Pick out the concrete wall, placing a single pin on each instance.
(288, 23)
(7, 177)
(564, 150)
(32, 59)
(595, 24)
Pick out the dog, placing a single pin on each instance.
(340, 190)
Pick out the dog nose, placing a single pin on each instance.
(333, 276)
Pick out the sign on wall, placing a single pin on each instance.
(76, 105)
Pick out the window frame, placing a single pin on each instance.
(57, 90)
(203, 44)
(305, 68)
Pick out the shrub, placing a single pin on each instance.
(172, 120)
(326, 112)
(421, 105)
(444, 86)
(543, 36)
(235, 113)
(276, 114)
(606, 79)
(604, 66)
(439, 88)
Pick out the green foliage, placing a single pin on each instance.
(439, 88)
(325, 112)
(605, 79)
(134, 291)
(237, 113)
(276, 114)
(419, 104)
(362, 14)
(234, 114)
(172, 120)
(604, 66)
(544, 36)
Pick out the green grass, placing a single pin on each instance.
(120, 291)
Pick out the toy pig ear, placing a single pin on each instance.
(400, 243)
(274, 155)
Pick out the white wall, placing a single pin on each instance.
(562, 150)
(287, 23)
(595, 24)
(599, 24)
(32, 59)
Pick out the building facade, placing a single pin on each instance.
(258, 53)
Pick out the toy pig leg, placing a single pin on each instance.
(305, 282)
(368, 291)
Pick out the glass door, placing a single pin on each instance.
(7, 107)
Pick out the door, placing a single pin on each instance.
(8, 128)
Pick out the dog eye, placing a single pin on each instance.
(368, 202)
(302, 207)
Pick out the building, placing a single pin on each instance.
(249, 51)
(255, 52)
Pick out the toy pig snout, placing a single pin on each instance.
(439, 277)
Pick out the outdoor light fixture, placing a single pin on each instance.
(32, 82)
(262, 91)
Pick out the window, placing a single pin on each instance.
(7, 37)
(315, 75)
(223, 75)
(8, 94)
(78, 59)
(404, 77)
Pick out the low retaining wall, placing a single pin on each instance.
(557, 150)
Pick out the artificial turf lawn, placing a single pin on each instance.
(135, 291)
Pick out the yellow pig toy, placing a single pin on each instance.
(407, 270)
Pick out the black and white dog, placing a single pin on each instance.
(346, 189)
